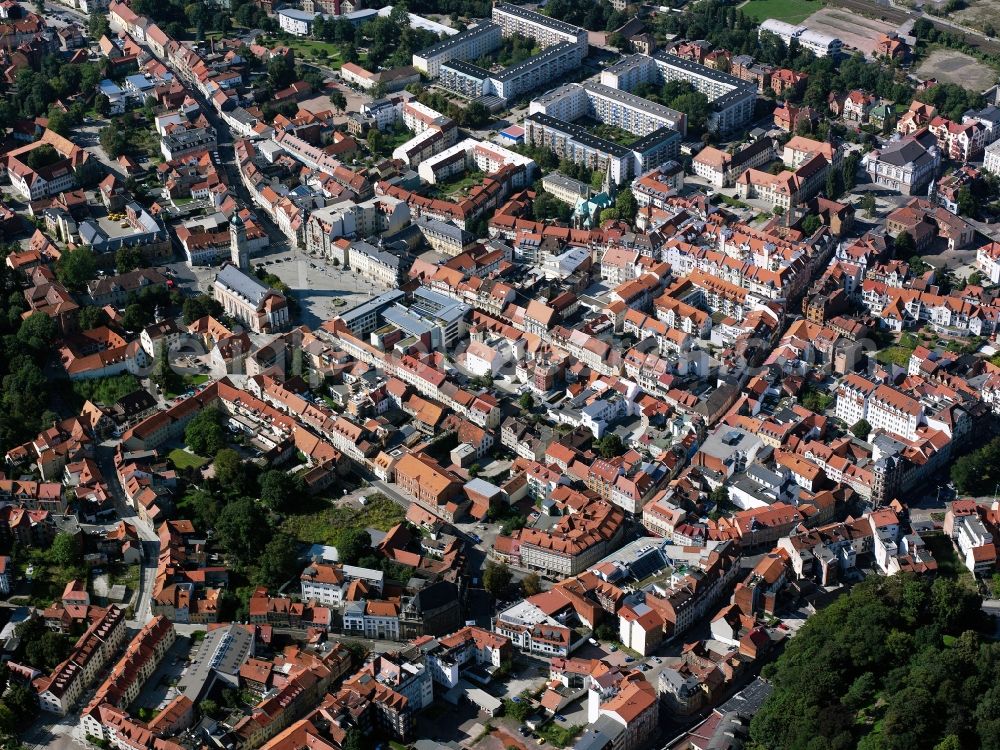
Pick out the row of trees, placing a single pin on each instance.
(599, 16)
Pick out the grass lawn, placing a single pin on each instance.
(462, 184)
(558, 734)
(320, 522)
(181, 459)
(894, 355)
(197, 379)
(791, 11)
(124, 574)
(326, 53)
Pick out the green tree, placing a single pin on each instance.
(279, 562)
(338, 100)
(91, 316)
(626, 205)
(114, 140)
(278, 489)
(353, 740)
(43, 156)
(720, 497)
(202, 507)
(811, 223)
(37, 332)
(127, 259)
(205, 434)
(241, 530)
(232, 473)
(76, 267)
(353, 545)
(861, 429)
(135, 318)
(904, 245)
(280, 72)
(98, 25)
(526, 401)
(198, 307)
(376, 141)
(965, 202)
(46, 650)
(208, 707)
(60, 122)
(102, 105)
(610, 445)
(65, 550)
(531, 584)
(868, 205)
(497, 578)
(834, 183)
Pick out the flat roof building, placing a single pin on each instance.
(514, 19)
(470, 44)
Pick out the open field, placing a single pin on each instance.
(791, 11)
(956, 67)
(855, 31)
(181, 459)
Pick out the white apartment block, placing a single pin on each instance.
(970, 535)
(554, 61)
(991, 159)
(419, 117)
(485, 156)
(988, 261)
(296, 22)
(610, 106)
(467, 45)
(514, 19)
(732, 99)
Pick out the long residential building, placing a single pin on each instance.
(732, 99)
(621, 163)
(123, 683)
(610, 106)
(470, 44)
(571, 546)
(60, 691)
(551, 63)
(515, 19)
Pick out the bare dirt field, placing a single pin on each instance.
(959, 68)
(856, 32)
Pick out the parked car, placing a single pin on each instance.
(629, 659)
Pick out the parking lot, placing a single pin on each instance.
(159, 688)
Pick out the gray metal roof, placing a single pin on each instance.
(242, 284)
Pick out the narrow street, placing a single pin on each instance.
(150, 541)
